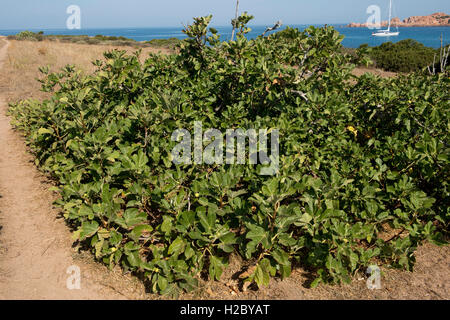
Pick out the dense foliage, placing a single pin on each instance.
(403, 56)
(360, 158)
(28, 35)
(165, 43)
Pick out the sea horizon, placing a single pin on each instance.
(354, 37)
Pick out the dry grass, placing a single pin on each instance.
(21, 68)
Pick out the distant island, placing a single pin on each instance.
(438, 19)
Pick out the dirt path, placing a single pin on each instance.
(35, 246)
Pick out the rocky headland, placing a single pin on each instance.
(437, 19)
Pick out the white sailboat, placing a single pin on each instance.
(387, 32)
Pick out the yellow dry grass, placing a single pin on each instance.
(21, 68)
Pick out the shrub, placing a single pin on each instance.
(113, 38)
(93, 41)
(403, 56)
(357, 158)
(170, 43)
(125, 43)
(30, 36)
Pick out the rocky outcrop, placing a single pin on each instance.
(433, 20)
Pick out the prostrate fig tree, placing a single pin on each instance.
(359, 158)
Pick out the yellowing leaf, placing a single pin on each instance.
(42, 131)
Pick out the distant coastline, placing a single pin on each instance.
(438, 19)
(354, 37)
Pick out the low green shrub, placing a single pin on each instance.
(170, 43)
(357, 158)
(113, 38)
(404, 56)
(28, 35)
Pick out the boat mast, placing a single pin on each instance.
(390, 13)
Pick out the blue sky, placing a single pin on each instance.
(46, 14)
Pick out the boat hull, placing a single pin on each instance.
(391, 34)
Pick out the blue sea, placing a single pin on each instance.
(354, 37)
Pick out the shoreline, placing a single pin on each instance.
(6, 32)
(410, 26)
(428, 36)
(437, 19)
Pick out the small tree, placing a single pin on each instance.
(443, 59)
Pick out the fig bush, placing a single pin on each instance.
(364, 169)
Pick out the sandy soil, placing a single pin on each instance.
(36, 247)
(358, 71)
(429, 281)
